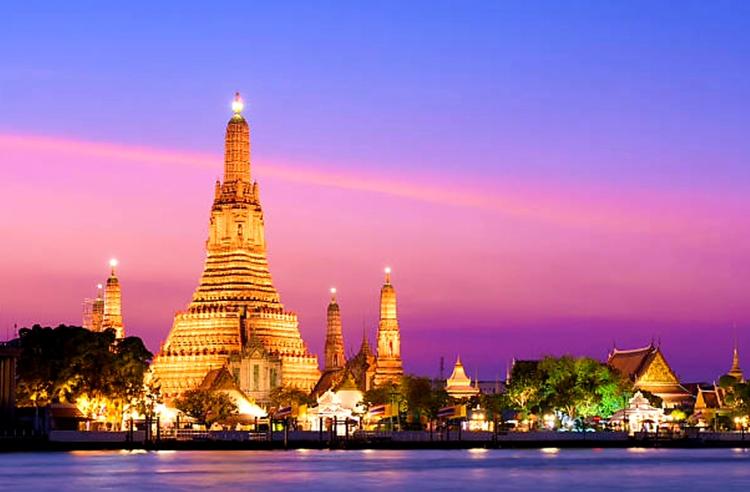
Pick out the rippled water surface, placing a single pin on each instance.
(540, 470)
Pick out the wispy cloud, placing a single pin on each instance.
(636, 212)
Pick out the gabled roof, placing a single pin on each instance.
(708, 398)
(632, 363)
(218, 379)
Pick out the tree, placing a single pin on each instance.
(283, 396)
(381, 394)
(70, 364)
(417, 395)
(207, 407)
(525, 387)
(582, 387)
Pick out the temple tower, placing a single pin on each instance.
(112, 318)
(93, 311)
(235, 302)
(736, 371)
(389, 367)
(335, 358)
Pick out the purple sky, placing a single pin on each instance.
(543, 179)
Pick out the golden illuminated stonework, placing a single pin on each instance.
(112, 318)
(388, 366)
(334, 348)
(235, 306)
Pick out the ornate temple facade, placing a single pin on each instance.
(649, 371)
(236, 313)
(105, 311)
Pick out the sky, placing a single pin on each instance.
(543, 177)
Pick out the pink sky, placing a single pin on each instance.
(489, 270)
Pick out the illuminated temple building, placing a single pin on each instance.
(236, 318)
(648, 370)
(105, 312)
(459, 384)
(365, 369)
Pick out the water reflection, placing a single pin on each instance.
(313, 470)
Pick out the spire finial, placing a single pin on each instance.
(237, 104)
(112, 264)
(387, 275)
(333, 294)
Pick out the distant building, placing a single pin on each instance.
(491, 387)
(112, 318)
(93, 311)
(649, 371)
(104, 312)
(8, 356)
(735, 370)
(459, 385)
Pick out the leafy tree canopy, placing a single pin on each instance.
(206, 406)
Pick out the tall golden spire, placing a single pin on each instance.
(237, 145)
(112, 318)
(389, 368)
(334, 336)
(388, 298)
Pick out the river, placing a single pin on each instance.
(581, 470)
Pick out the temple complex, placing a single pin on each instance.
(649, 371)
(459, 384)
(389, 367)
(236, 317)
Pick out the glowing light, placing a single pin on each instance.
(637, 450)
(333, 290)
(388, 270)
(98, 286)
(550, 450)
(113, 262)
(244, 407)
(237, 105)
(478, 450)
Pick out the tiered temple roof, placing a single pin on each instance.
(459, 384)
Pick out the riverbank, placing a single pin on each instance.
(72, 441)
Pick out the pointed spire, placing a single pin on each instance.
(334, 348)
(112, 309)
(736, 371)
(364, 347)
(387, 275)
(237, 145)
